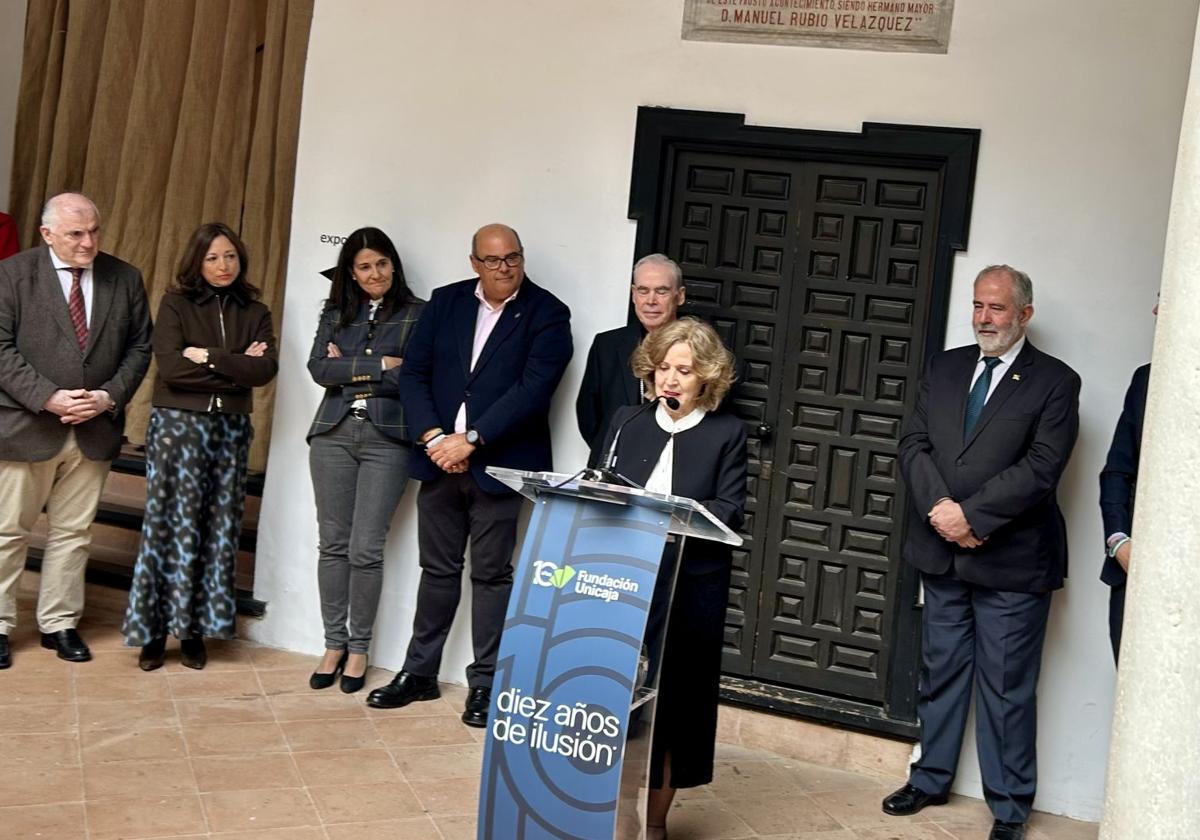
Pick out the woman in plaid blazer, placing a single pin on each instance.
(359, 445)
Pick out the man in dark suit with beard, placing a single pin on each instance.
(74, 345)
(608, 382)
(982, 454)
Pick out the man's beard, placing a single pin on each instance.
(1000, 341)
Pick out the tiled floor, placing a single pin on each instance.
(245, 751)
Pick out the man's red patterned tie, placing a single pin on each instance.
(78, 311)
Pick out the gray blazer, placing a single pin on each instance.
(39, 354)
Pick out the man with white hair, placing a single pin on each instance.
(74, 346)
(981, 455)
(608, 382)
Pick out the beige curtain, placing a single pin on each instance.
(168, 114)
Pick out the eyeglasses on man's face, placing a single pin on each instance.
(512, 260)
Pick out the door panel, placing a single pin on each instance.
(817, 275)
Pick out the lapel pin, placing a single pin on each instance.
(1016, 377)
(518, 315)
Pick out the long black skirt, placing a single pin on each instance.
(685, 720)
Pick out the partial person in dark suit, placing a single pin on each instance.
(698, 452)
(482, 364)
(608, 381)
(982, 454)
(1118, 484)
(359, 444)
(74, 346)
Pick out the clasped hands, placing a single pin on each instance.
(451, 454)
(78, 405)
(948, 519)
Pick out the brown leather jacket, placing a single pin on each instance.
(225, 324)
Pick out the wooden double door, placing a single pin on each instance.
(819, 269)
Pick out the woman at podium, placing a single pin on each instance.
(686, 447)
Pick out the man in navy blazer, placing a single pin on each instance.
(1118, 483)
(982, 454)
(476, 383)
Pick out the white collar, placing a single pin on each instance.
(487, 303)
(1010, 355)
(59, 265)
(688, 421)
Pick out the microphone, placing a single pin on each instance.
(610, 457)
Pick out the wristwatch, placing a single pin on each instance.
(473, 437)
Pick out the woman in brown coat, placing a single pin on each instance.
(214, 343)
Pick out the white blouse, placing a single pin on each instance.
(660, 477)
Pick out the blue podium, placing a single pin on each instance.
(569, 730)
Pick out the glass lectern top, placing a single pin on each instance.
(688, 517)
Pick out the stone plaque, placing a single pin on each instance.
(895, 25)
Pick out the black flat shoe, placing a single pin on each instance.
(1007, 831)
(68, 644)
(193, 654)
(318, 680)
(5, 652)
(404, 688)
(350, 684)
(909, 800)
(476, 711)
(151, 657)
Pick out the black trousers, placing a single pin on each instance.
(451, 510)
(989, 640)
(1116, 618)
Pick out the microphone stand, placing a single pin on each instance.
(605, 473)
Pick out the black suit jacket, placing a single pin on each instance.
(1005, 475)
(608, 383)
(39, 354)
(1118, 479)
(507, 393)
(709, 465)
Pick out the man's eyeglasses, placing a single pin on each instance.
(511, 260)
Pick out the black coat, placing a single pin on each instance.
(710, 465)
(608, 383)
(1005, 475)
(1118, 479)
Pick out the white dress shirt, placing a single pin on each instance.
(999, 370)
(660, 477)
(64, 279)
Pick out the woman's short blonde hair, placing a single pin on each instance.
(710, 360)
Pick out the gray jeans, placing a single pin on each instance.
(358, 475)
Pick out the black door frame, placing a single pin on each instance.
(953, 154)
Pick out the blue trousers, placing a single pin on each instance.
(974, 637)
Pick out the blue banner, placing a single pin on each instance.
(566, 672)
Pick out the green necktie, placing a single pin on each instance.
(978, 396)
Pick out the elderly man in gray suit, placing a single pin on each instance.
(74, 345)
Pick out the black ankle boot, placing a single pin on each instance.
(193, 654)
(151, 657)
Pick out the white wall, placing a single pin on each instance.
(12, 43)
(432, 119)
